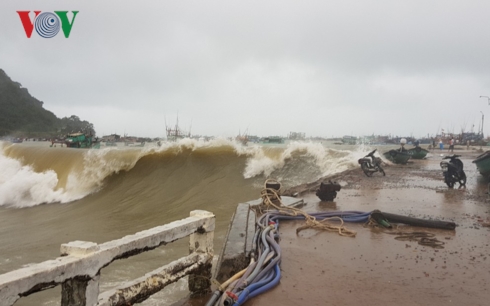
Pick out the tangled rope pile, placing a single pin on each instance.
(272, 199)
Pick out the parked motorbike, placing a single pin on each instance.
(453, 171)
(371, 164)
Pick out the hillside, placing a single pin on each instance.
(22, 115)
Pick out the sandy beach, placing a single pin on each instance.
(373, 268)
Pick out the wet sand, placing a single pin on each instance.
(323, 268)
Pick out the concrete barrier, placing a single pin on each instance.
(237, 250)
(78, 268)
(235, 254)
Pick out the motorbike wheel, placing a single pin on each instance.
(462, 179)
(366, 170)
(381, 170)
(449, 182)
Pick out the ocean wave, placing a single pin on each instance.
(302, 162)
(33, 175)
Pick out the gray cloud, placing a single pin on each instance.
(320, 67)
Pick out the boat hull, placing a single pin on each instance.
(273, 139)
(397, 157)
(417, 153)
(482, 163)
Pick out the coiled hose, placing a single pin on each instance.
(264, 274)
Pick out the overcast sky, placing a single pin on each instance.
(324, 68)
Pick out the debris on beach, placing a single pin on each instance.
(328, 191)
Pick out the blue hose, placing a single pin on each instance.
(262, 257)
(347, 216)
(261, 279)
(260, 287)
(273, 262)
(244, 294)
(269, 285)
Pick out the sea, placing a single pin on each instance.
(50, 195)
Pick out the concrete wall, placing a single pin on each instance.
(78, 270)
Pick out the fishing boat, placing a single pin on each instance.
(350, 140)
(417, 152)
(243, 139)
(80, 140)
(16, 140)
(175, 134)
(482, 163)
(273, 139)
(135, 144)
(397, 157)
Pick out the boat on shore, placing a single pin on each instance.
(482, 163)
(397, 157)
(417, 152)
(110, 144)
(273, 139)
(16, 140)
(349, 140)
(134, 144)
(176, 134)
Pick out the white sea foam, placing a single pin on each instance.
(21, 186)
(327, 161)
(97, 165)
(262, 160)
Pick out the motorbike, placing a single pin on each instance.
(453, 171)
(371, 164)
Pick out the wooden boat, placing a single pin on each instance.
(16, 140)
(482, 163)
(134, 144)
(176, 134)
(243, 139)
(273, 139)
(350, 140)
(397, 157)
(80, 140)
(417, 152)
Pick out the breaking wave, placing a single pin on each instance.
(37, 174)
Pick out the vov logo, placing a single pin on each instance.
(47, 24)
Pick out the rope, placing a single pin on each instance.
(422, 238)
(270, 195)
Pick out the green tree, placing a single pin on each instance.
(73, 124)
